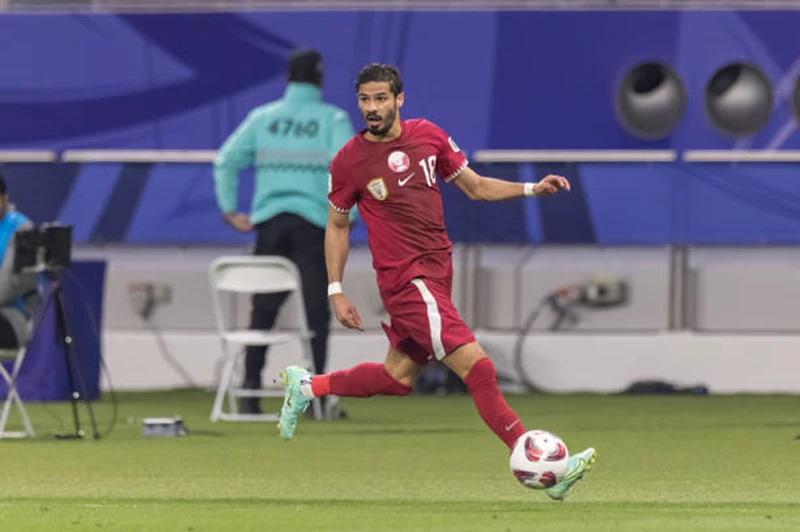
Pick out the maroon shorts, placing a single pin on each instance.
(424, 324)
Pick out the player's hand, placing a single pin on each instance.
(346, 312)
(551, 184)
(239, 221)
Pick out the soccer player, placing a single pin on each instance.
(389, 169)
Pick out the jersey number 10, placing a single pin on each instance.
(429, 167)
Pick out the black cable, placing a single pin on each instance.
(145, 314)
(564, 313)
(525, 379)
(96, 329)
(166, 355)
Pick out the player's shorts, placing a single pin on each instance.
(424, 323)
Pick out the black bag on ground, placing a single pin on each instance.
(664, 388)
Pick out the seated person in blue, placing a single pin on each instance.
(19, 296)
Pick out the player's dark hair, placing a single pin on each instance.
(2, 186)
(380, 72)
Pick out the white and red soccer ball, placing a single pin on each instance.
(539, 459)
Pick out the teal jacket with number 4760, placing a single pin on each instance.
(290, 142)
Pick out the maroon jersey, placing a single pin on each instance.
(395, 186)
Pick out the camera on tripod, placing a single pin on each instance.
(46, 248)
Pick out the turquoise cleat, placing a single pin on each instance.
(579, 464)
(294, 402)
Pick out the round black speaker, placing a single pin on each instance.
(739, 99)
(650, 100)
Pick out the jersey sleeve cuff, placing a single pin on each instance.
(337, 208)
(456, 173)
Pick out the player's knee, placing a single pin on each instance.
(405, 383)
(464, 358)
(402, 389)
(401, 369)
(399, 379)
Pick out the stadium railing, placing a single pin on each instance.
(574, 156)
(744, 156)
(138, 156)
(482, 156)
(28, 156)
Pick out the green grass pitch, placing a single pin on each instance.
(718, 463)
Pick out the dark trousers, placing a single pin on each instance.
(8, 337)
(303, 243)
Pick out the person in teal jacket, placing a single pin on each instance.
(290, 143)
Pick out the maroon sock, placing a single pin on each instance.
(495, 412)
(363, 380)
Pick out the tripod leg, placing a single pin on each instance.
(62, 335)
(73, 366)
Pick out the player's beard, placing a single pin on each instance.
(386, 124)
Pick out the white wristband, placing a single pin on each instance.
(334, 288)
(527, 189)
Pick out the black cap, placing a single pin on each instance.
(305, 65)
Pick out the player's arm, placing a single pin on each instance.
(342, 131)
(337, 244)
(481, 188)
(237, 152)
(337, 247)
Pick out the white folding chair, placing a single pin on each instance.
(12, 396)
(254, 275)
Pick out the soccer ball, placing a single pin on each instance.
(539, 459)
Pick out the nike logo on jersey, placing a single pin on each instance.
(402, 182)
(509, 427)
